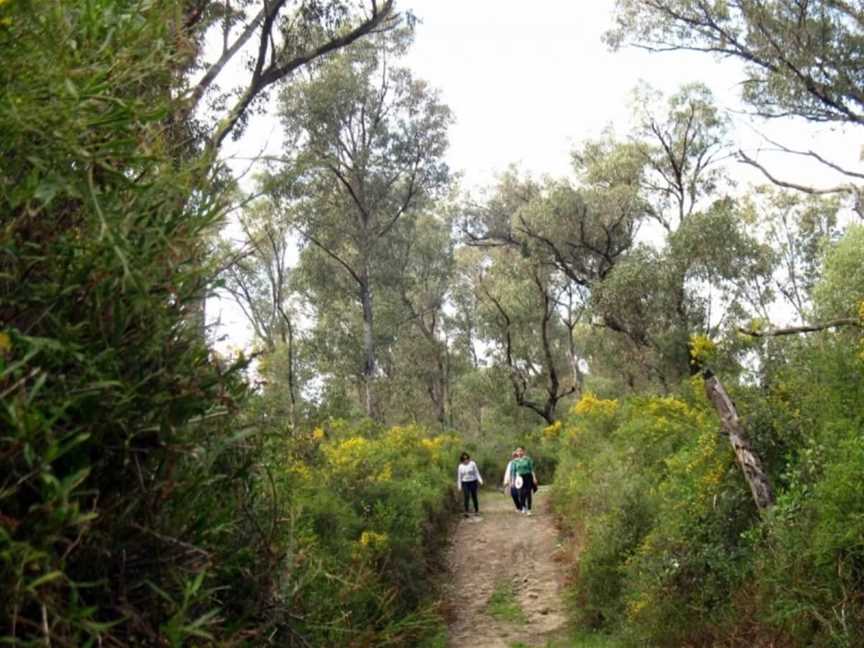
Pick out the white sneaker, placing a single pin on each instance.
(527, 512)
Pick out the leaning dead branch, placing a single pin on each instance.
(797, 330)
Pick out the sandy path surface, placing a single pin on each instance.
(504, 547)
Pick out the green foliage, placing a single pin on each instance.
(801, 59)
(808, 568)
(674, 552)
(840, 290)
(660, 507)
(368, 509)
(365, 155)
(135, 508)
(114, 434)
(798, 228)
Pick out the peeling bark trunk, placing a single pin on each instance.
(748, 460)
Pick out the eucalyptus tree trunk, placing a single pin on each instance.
(288, 340)
(439, 388)
(446, 397)
(575, 372)
(368, 345)
(748, 460)
(438, 384)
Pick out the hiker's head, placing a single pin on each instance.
(514, 454)
(520, 451)
(464, 457)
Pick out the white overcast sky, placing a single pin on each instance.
(528, 81)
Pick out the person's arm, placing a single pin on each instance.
(507, 472)
(458, 477)
(479, 476)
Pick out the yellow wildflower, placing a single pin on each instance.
(5, 340)
(373, 540)
(635, 607)
(701, 348)
(552, 431)
(349, 453)
(300, 471)
(433, 446)
(590, 404)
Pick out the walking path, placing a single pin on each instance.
(510, 559)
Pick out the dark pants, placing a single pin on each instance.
(470, 488)
(514, 493)
(526, 491)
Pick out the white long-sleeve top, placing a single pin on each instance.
(467, 472)
(507, 471)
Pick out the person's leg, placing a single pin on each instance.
(474, 486)
(465, 495)
(514, 493)
(528, 489)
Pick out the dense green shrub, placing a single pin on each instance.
(674, 552)
(809, 565)
(654, 495)
(117, 512)
(368, 509)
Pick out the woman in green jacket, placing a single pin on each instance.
(526, 480)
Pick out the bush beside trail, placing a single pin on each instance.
(674, 551)
(369, 510)
(136, 506)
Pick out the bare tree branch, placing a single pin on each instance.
(797, 330)
(842, 189)
(262, 76)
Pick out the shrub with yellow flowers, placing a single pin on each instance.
(645, 481)
(591, 405)
(373, 505)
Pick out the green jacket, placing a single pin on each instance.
(523, 466)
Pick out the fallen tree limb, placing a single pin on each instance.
(796, 330)
(748, 460)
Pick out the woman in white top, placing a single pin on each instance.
(510, 481)
(467, 479)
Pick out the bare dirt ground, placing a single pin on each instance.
(504, 547)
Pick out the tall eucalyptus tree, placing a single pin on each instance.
(366, 145)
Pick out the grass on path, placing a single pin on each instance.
(579, 640)
(503, 604)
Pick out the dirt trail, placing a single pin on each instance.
(505, 548)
